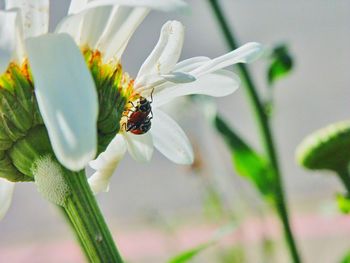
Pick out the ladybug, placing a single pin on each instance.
(139, 121)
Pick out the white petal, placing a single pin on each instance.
(190, 64)
(168, 5)
(140, 147)
(71, 25)
(35, 15)
(244, 54)
(94, 23)
(170, 139)
(106, 163)
(66, 96)
(179, 77)
(218, 84)
(119, 29)
(154, 83)
(166, 53)
(6, 192)
(105, 28)
(76, 5)
(8, 38)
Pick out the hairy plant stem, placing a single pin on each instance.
(87, 221)
(264, 129)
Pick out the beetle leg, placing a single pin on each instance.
(124, 126)
(132, 103)
(132, 128)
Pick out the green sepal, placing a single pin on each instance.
(9, 171)
(23, 90)
(15, 114)
(24, 94)
(21, 139)
(26, 151)
(112, 100)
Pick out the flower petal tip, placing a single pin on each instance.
(254, 51)
(76, 164)
(97, 185)
(189, 159)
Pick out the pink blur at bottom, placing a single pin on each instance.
(152, 243)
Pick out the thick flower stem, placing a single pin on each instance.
(265, 131)
(87, 221)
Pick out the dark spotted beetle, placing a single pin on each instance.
(139, 121)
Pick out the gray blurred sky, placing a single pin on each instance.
(317, 93)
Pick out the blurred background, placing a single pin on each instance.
(156, 210)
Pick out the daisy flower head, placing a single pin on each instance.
(59, 90)
(160, 79)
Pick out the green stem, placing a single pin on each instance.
(87, 221)
(264, 128)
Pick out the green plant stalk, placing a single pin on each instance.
(264, 128)
(85, 217)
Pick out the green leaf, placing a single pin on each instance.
(187, 255)
(343, 202)
(247, 162)
(346, 258)
(281, 64)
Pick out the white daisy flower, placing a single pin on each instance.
(54, 64)
(161, 79)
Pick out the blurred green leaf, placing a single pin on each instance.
(346, 258)
(281, 64)
(213, 206)
(343, 202)
(187, 255)
(268, 249)
(269, 107)
(235, 254)
(247, 162)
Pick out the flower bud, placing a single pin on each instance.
(326, 149)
